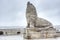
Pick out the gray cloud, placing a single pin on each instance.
(12, 12)
(9, 10)
(50, 9)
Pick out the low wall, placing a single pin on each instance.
(10, 31)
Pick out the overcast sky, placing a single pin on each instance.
(12, 12)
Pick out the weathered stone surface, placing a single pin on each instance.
(37, 27)
(43, 33)
(31, 14)
(42, 23)
(33, 20)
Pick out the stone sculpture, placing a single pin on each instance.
(31, 15)
(37, 27)
(33, 20)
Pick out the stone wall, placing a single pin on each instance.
(35, 33)
(10, 31)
